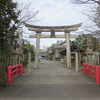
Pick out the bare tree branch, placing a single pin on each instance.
(26, 14)
(85, 1)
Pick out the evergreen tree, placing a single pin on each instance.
(82, 40)
(31, 50)
(8, 22)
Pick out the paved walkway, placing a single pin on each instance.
(51, 82)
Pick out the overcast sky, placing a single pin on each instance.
(55, 13)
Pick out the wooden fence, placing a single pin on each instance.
(93, 59)
(10, 61)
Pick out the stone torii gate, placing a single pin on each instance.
(53, 29)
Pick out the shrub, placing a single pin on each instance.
(3, 76)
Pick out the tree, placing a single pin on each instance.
(96, 20)
(31, 50)
(25, 13)
(93, 14)
(86, 1)
(8, 19)
(94, 17)
(82, 40)
(12, 16)
(8, 22)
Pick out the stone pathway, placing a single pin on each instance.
(51, 81)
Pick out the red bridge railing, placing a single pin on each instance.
(93, 71)
(12, 71)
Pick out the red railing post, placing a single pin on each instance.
(21, 68)
(97, 77)
(93, 71)
(9, 78)
(84, 68)
(89, 69)
(99, 73)
(18, 69)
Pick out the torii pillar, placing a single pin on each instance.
(37, 49)
(68, 52)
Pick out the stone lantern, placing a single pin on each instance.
(89, 50)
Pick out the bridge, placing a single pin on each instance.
(52, 81)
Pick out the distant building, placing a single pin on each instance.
(59, 51)
(44, 47)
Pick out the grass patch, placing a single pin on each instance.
(32, 61)
(63, 62)
(26, 67)
(64, 66)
